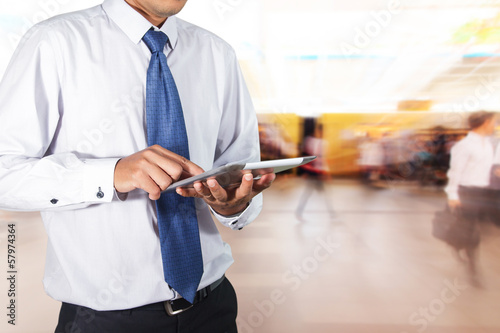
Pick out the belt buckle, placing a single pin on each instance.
(171, 312)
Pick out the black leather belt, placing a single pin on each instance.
(176, 306)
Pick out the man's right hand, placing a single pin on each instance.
(153, 170)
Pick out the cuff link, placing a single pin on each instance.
(100, 194)
(54, 201)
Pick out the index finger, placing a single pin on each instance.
(188, 166)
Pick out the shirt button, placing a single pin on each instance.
(100, 194)
(54, 201)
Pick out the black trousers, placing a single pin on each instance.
(215, 314)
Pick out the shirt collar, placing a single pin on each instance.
(134, 25)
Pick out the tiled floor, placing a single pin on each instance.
(373, 267)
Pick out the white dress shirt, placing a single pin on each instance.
(73, 103)
(470, 165)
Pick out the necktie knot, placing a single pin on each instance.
(155, 40)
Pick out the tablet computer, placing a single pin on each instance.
(230, 174)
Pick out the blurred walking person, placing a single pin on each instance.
(468, 183)
(371, 160)
(315, 172)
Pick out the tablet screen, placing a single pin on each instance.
(230, 175)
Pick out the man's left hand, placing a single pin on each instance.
(232, 201)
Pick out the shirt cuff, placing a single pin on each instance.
(98, 180)
(238, 221)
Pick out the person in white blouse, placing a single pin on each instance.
(469, 177)
(316, 172)
(74, 147)
(371, 159)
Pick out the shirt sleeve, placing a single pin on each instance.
(458, 163)
(31, 177)
(496, 158)
(238, 139)
(238, 221)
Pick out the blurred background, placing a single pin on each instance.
(379, 90)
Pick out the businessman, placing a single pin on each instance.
(101, 111)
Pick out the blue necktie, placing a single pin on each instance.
(177, 221)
